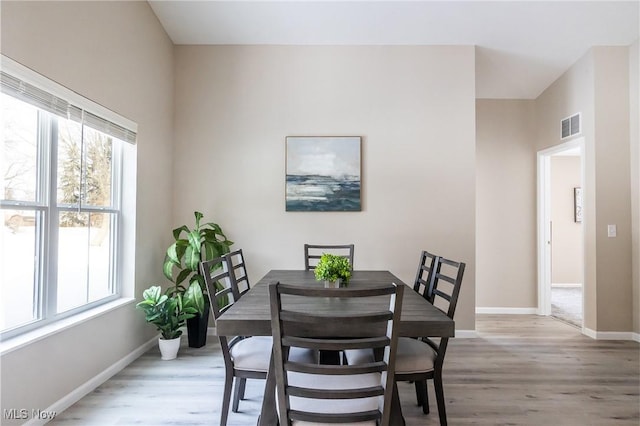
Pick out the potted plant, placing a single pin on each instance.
(334, 270)
(168, 311)
(181, 264)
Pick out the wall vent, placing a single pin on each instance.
(570, 126)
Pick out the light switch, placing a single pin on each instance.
(611, 231)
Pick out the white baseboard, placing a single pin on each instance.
(466, 334)
(566, 285)
(589, 333)
(87, 387)
(507, 311)
(611, 335)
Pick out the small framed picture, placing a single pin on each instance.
(577, 204)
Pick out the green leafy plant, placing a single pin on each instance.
(332, 267)
(168, 311)
(191, 246)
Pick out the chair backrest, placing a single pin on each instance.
(313, 253)
(238, 272)
(307, 329)
(220, 286)
(443, 294)
(424, 276)
(445, 285)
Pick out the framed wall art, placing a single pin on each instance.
(577, 204)
(323, 173)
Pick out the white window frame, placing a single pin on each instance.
(45, 205)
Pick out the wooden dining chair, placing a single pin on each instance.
(323, 394)
(313, 253)
(234, 264)
(245, 357)
(419, 360)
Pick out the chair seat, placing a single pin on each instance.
(412, 356)
(317, 381)
(253, 354)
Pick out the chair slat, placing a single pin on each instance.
(442, 294)
(356, 393)
(306, 291)
(353, 318)
(223, 292)
(336, 344)
(446, 278)
(362, 416)
(371, 367)
(223, 309)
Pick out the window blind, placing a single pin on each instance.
(43, 99)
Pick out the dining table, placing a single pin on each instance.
(251, 316)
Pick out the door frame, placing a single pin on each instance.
(544, 220)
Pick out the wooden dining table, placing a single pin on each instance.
(250, 316)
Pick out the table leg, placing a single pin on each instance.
(268, 413)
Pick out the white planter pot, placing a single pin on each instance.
(332, 284)
(169, 348)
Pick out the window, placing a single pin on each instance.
(61, 164)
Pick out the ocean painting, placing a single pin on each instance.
(323, 174)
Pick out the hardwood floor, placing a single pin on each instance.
(521, 370)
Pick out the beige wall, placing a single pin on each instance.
(613, 193)
(597, 86)
(414, 108)
(506, 204)
(116, 54)
(566, 252)
(634, 113)
(574, 92)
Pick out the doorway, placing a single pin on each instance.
(560, 232)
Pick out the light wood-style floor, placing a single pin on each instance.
(521, 370)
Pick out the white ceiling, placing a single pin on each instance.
(522, 47)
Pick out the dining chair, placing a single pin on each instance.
(313, 253)
(419, 360)
(234, 264)
(329, 394)
(244, 357)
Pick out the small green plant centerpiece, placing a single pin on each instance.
(169, 311)
(334, 270)
(182, 262)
